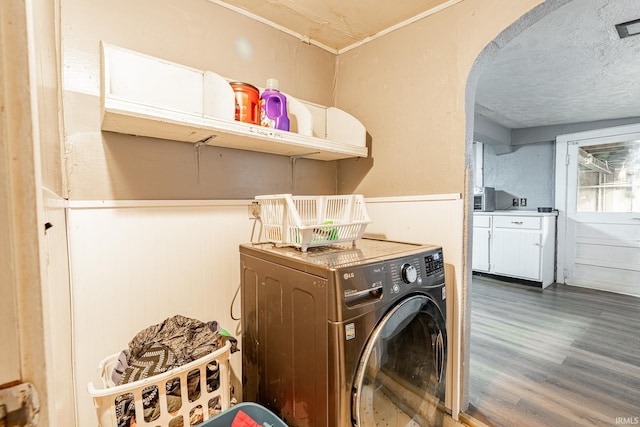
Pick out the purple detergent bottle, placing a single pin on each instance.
(273, 107)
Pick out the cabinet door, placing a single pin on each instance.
(516, 253)
(481, 243)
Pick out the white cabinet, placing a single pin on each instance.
(516, 253)
(520, 245)
(147, 96)
(481, 242)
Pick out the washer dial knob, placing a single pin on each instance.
(409, 273)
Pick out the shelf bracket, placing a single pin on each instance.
(292, 162)
(198, 153)
(205, 141)
(303, 156)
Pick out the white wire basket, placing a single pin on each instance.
(308, 221)
(191, 406)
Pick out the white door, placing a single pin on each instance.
(600, 235)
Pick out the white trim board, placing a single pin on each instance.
(109, 204)
(418, 198)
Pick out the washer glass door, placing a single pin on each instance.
(400, 379)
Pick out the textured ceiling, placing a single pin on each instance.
(570, 67)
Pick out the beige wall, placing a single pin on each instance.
(202, 35)
(408, 88)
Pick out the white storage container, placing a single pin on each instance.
(308, 221)
(210, 400)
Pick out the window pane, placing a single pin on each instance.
(609, 177)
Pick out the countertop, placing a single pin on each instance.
(516, 213)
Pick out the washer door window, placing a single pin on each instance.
(400, 379)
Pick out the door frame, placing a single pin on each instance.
(11, 370)
(562, 178)
(20, 192)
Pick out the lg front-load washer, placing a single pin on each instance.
(345, 335)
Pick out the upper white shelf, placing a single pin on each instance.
(147, 96)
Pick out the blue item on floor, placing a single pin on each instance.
(260, 414)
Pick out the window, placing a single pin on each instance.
(609, 177)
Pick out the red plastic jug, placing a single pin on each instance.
(247, 102)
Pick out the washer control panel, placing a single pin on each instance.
(424, 270)
(434, 264)
(368, 283)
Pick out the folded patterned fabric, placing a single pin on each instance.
(189, 339)
(155, 360)
(119, 369)
(170, 344)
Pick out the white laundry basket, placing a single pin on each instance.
(209, 401)
(308, 221)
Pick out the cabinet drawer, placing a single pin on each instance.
(522, 222)
(482, 221)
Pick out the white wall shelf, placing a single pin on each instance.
(147, 96)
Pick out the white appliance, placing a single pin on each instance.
(484, 199)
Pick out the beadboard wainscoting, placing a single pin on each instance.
(134, 264)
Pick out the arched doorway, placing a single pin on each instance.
(544, 375)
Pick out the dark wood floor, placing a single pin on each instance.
(563, 356)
